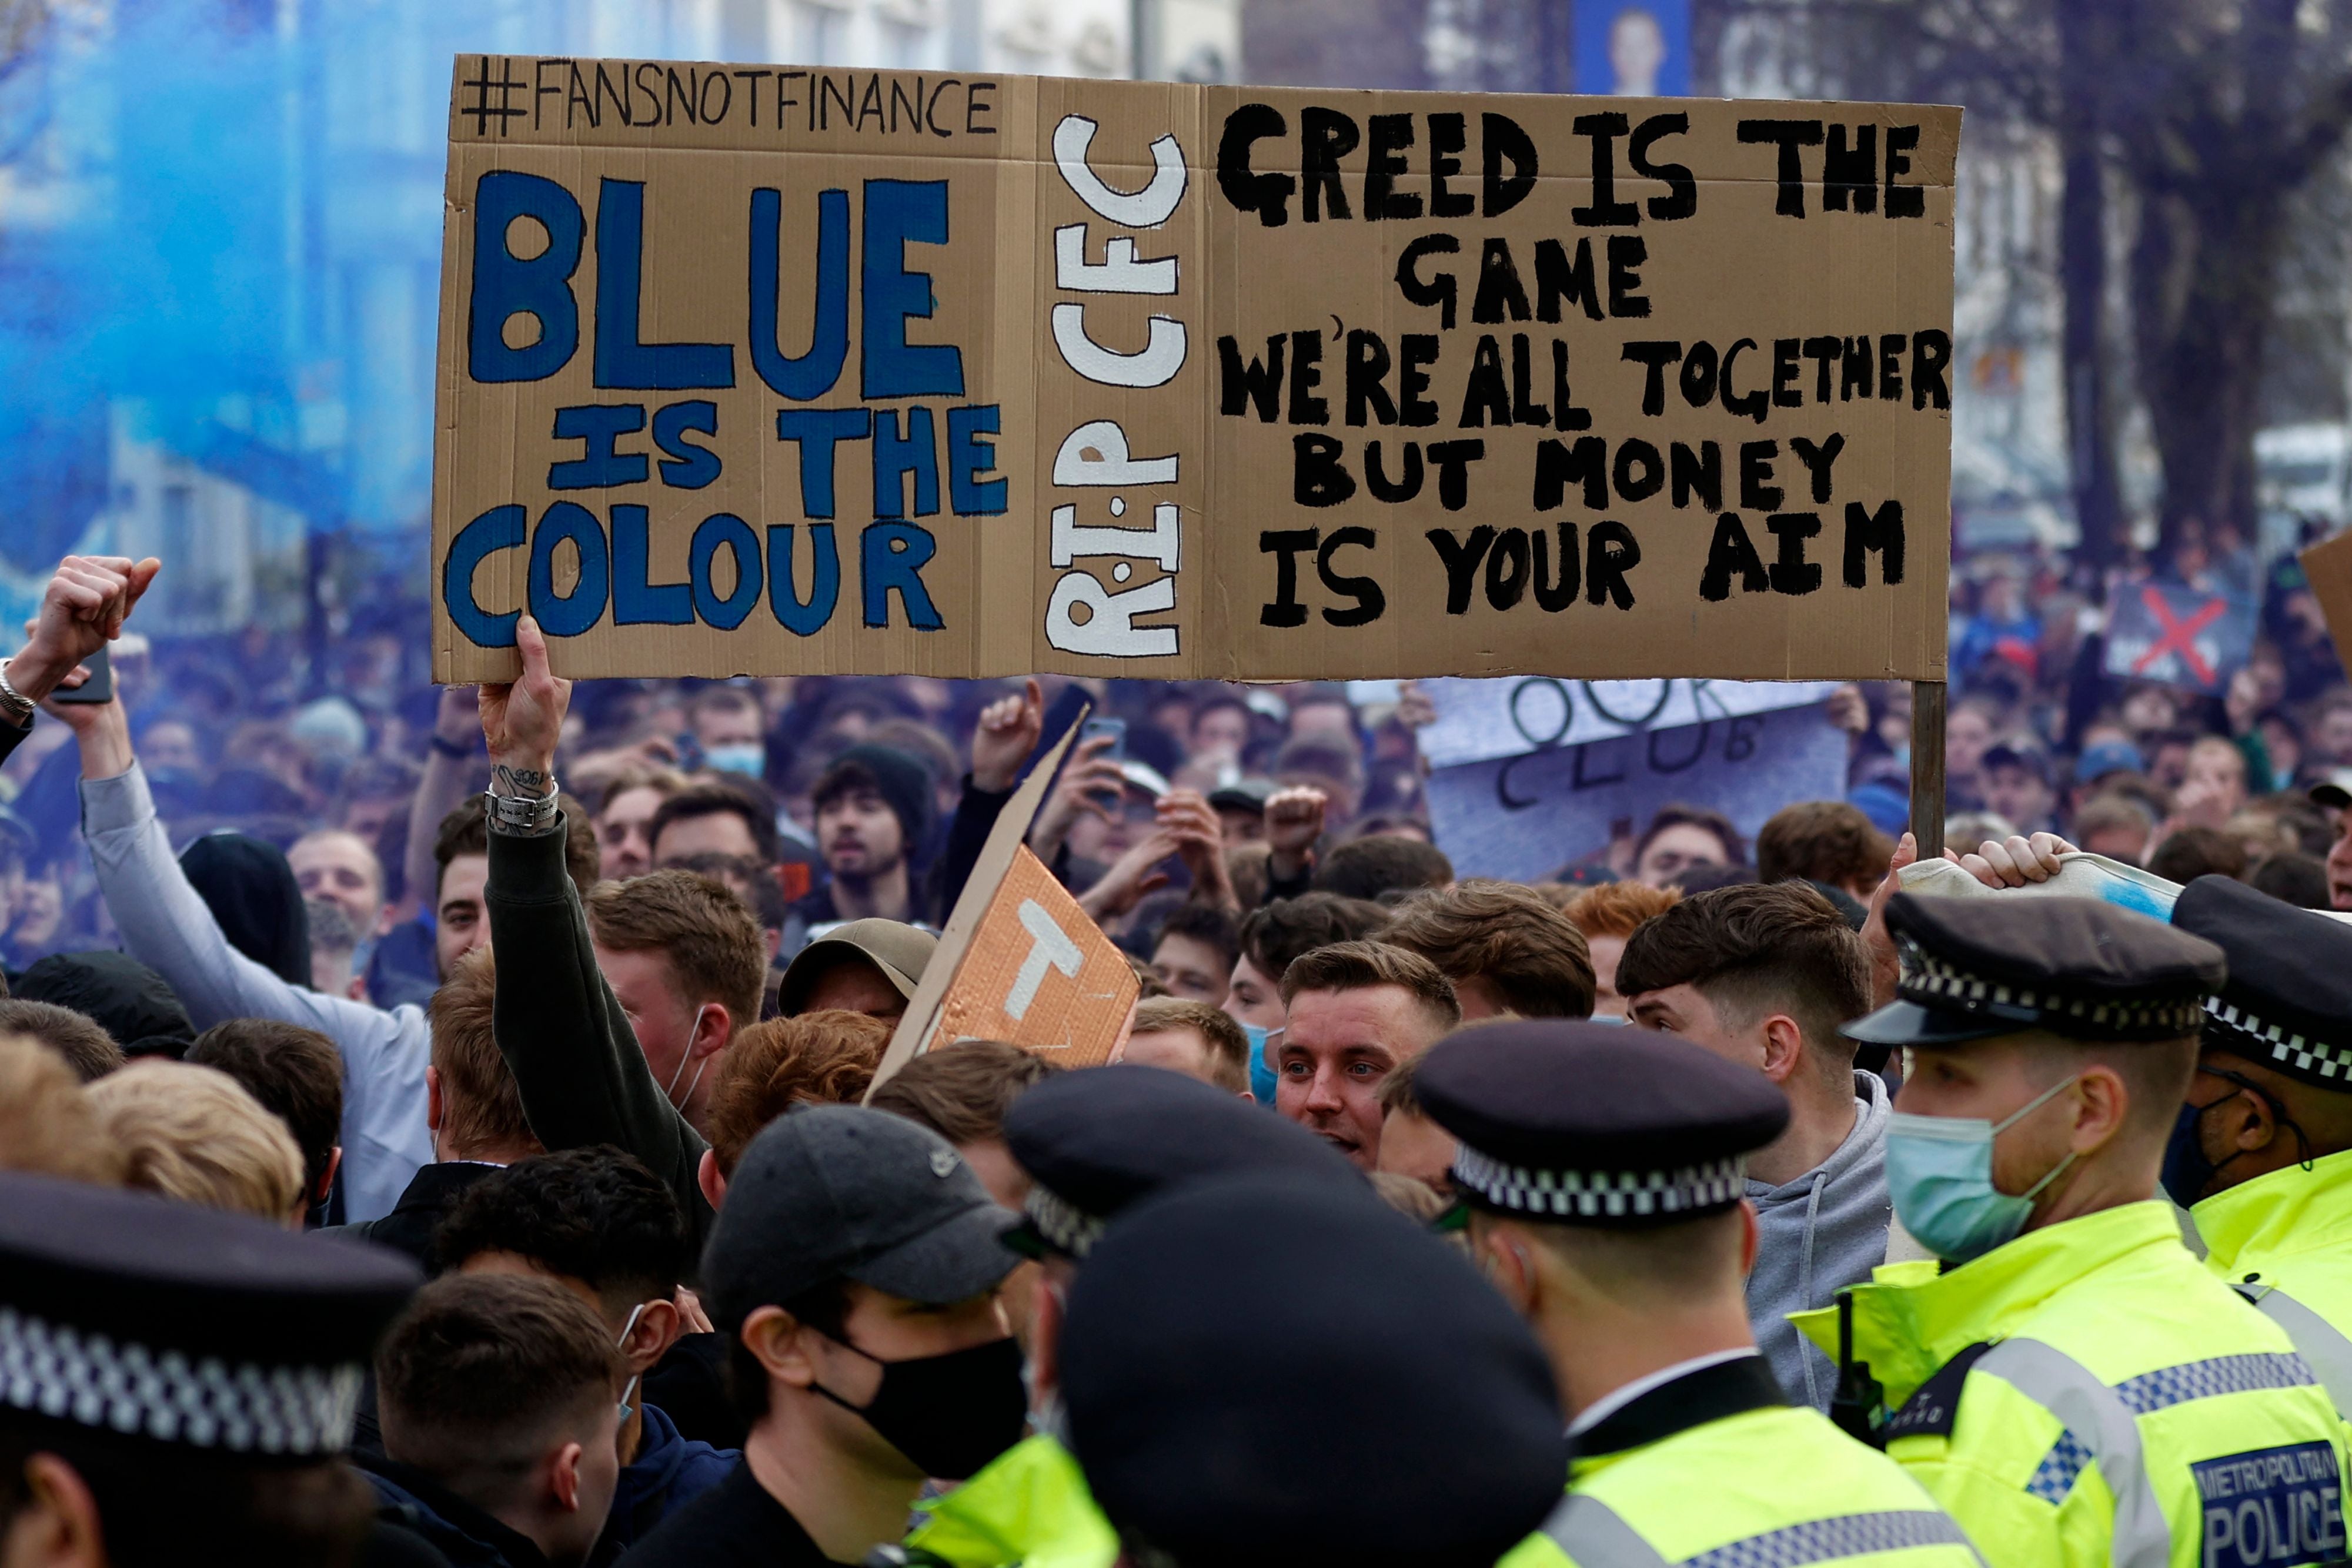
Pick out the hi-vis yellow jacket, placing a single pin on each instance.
(1029, 1506)
(2089, 1395)
(2285, 1241)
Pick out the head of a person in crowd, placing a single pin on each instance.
(855, 1273)
(1357, 1010)
(472, 1104)
(1651, 1279)
(175, 1291)
(2101, 763)
(123, 996)
(36, 912)
(1286, 1298)
(1412, 1145)
(81, 1043)
(728, 724)
(296, 1074)
(961, 1091)
(1241, 810)
(1969, 731)
(47, 1127)
(1321, 707)
(2334, 797)
(334, 947)
(624, 815)
(2216, 767)
(825, 1057)
(732, 816)
(251, 889)
(461, 855)
(1325, 760)
(595, 1222)
(2270, 1090)
(1392, 825)
(2016, 786)
(1682, 837)
(1764, 975)
(1381, 865)
(870, 966)
(1189, 1037)
(1194, 952)
(1505, 948)
(942, 764)
(2293, 878)
(874, 813)
(687, 961)
(342, 868)
(1824, 841)
(169, 745)
(1608, 915)
(2168, 759)
(2283, 742)
(1272, 935)
(195, 1135)
(1219, 727)
(2148, 710)
(505, 1392)
(2081, 1084)
(376, 791)
(2189, 853)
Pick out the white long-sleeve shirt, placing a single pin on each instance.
(167, 926)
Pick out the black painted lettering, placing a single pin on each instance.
(1639, 472)
(1788, 135)
(1383, 161)
(1931, 356)
(1731, 553)
(1566, 416)
(1756, 491)
(1754, 404)
(1268, 194)
(1554, 597)
(1376, 478)
(1499, 289)
(1818, 461)
(1286, 545)
(1307, 405)
(1453, 459)
(1368, 371)
(1525, 409)
(1449, 134)
(1785, 391)
(1851, 175)
(1244, 382)
(1325, 136)
(1318, 476)
(1902, 201)
(1606, 211)
(1612, 552)
(1854, 377)
(1626, 253)
(1869, 533)
(1460, 558)
(1485, 398)
(1371, 602)
(1438, 290)
(1559, 464)
(1653, 355)
(1416, 352)
(1506, 569)
(1696, 473)
(1890, 368)
(1792, 573)
(1503, 142)
(1558, 279)
(1681, 200)
(1823, 351)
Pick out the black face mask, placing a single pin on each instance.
(950, 1414)
(2187, 1170)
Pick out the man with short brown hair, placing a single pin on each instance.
(1826, 842)
(1503, 945)
(1191, 1038)
(961, 1091)
(1766, 976)
(79, 1040)
(1357, 1011)
(296, 1075)
(817, 1059)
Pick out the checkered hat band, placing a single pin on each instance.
(2293, 1052)
(1062, 1224)
(1931, 982)
(91, 1380)
(1600, 1194)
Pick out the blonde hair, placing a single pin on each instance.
(46, 1127)
(195, 1133)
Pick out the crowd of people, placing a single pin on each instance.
(493, 1160)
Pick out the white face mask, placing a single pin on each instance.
(630, 1390)
(693, 1034)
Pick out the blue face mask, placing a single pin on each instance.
(1939, 1174)
(1262, 1073)
(748, 758)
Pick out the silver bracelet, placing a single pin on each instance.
(520, 816)
(15, 706)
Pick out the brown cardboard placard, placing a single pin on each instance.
(967, 982)
(772, 369)
(2327, 567)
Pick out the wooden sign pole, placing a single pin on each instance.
(1927, 767)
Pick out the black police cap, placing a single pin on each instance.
(1097, 1142)
(2288, 1001)
(189, 1326)
(1586, 1124)
(1242, 1352)
(1977, 968)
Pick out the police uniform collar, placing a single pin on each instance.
(1709, 1393)
(2287, 1002)
(1574, 1122)
(1974, 968)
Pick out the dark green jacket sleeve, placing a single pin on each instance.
(11, 737)
(574, 1057)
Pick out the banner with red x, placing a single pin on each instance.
(2178, 636)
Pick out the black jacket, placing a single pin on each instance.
(408, 1499)
(430, 1195)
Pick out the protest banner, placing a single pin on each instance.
(773, 370)
(1020, 962)
(2178, 636)
(1527, 775)
(2327, 567)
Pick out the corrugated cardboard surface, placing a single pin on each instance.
(1740, 267)
(1076, 1021)
(2328, 567)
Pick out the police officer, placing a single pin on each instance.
(176, 1382)
(1093, 1144)
(1603, 1171)
(2073, 1385)
(1263, 1374)
(2261, 1154)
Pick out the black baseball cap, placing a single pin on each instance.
(839, 1192)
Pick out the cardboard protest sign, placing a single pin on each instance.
(2178, 636)
(1020, 962)
(2327, 567)
(772, 370)
(1520, 811)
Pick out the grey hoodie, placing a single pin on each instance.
(1817, 1234)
